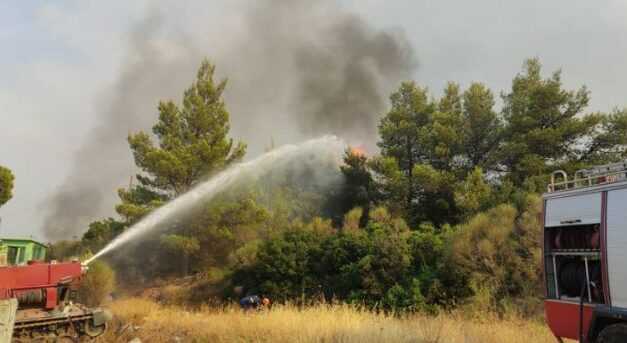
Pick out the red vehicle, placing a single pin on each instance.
(46, 312)
(585, 246)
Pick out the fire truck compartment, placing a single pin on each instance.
(572, 248)
(585, 251)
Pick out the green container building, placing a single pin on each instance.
(15, 252)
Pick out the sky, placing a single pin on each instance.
(61, 61)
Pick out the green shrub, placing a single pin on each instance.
(97, 284)
(498, 252)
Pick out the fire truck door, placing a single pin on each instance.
(617, 246)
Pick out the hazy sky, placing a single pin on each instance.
(60, 60)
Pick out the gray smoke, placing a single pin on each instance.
(297, 69)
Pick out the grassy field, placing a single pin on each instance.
(152, 322)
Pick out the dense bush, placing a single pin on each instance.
(381, 265)
(489, 262)
(498, 252)
(97, 284)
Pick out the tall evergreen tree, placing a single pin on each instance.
(404, 129)
(421, 145)
(405, 135)
(192, 144)
(192, 139)
(546, 126)
(445, 144)
(482, 127)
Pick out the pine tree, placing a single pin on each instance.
(192, 144)
(545, 125)
(405, 134)
(482, 128)
(192, 139)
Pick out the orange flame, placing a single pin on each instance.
(359, 151)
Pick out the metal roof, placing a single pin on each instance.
(23, 240)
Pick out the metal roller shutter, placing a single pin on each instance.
(575, 210)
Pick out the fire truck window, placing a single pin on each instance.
(12, 255)
(20, 256)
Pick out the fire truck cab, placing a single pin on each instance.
(585, 246)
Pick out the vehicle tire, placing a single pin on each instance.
(616, 333)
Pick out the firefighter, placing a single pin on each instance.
(265, 302)
(250, 302)
(254, 302)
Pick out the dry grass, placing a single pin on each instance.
(152, 322)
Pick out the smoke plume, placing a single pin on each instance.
(297, 69)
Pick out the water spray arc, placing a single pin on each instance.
(328, 147)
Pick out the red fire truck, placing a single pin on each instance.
(36, 304)
(585, 246)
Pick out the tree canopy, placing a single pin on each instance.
(6, 185)
(441, 159)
